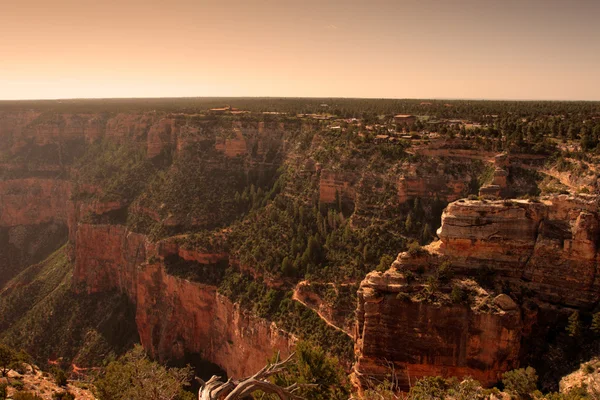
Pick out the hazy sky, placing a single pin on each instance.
(515, 49)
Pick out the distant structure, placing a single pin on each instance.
(222, 110)
(406, 119)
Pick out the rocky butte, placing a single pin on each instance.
(426, 316)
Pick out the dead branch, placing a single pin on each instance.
(214, 389)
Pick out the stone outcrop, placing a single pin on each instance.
(336, 185)
(331, 310)
(551, 246)
(446, 188)
(498, 186)
(174, 315)
(408, 319)
(417, 337)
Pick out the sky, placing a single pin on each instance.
(475, 49)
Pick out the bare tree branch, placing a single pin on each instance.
(214, 389)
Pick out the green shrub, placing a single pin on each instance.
(63, 396)
(403, 296)
(589, 368)
(313, 365)
(384, 263)
(458, 295)
(429, 388)
(415, 249)
(444, 271)
(468, 389)
(7, 357)
(521, 382)
(574, 326)
(60, 377)
(17, 384)
(135, 376)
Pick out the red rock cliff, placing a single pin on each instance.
(174, 315)
(33, 201)
(423, 338)
(548, 248)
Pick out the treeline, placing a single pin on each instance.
(344, 107)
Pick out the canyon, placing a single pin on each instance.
(536, 256)
(543, 253)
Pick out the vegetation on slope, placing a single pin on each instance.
(42, 314)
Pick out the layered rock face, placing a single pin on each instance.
(546, 249)
(444, 187)
(416, 337)
(550, 247)
(153, 131)
(33, 201)
(174, 315)
(335, 186)
(33, 221)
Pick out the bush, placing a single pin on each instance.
(429, 388)
(414, 249)
(458, 295)
(574, 326)
(589, 368)
(314, 366)
(384, 263)
(403, 296)
(135, 376)
(468, 389)
(17, 384)
(444, 271)
(3, 391)
(520, 382)
(63, 396)
(60, 377)
(7, 357)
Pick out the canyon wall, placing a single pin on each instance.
(153, 131)
(420, 338)
(543, 253)
(174, 315)
(551, 246)
(33, 221)
(37, 208)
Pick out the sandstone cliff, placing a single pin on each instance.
(399, 328)
(33, 221)
(173, 315)
(540, 252)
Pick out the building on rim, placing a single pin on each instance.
(405, 119)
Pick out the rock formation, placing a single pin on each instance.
(425, 317)
(400, 328)
(174, 315)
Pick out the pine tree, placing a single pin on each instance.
(426, 234)
(408, 224)
(596, 323)
(574, 326)
(287, 268)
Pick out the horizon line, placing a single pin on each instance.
(298, 97)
